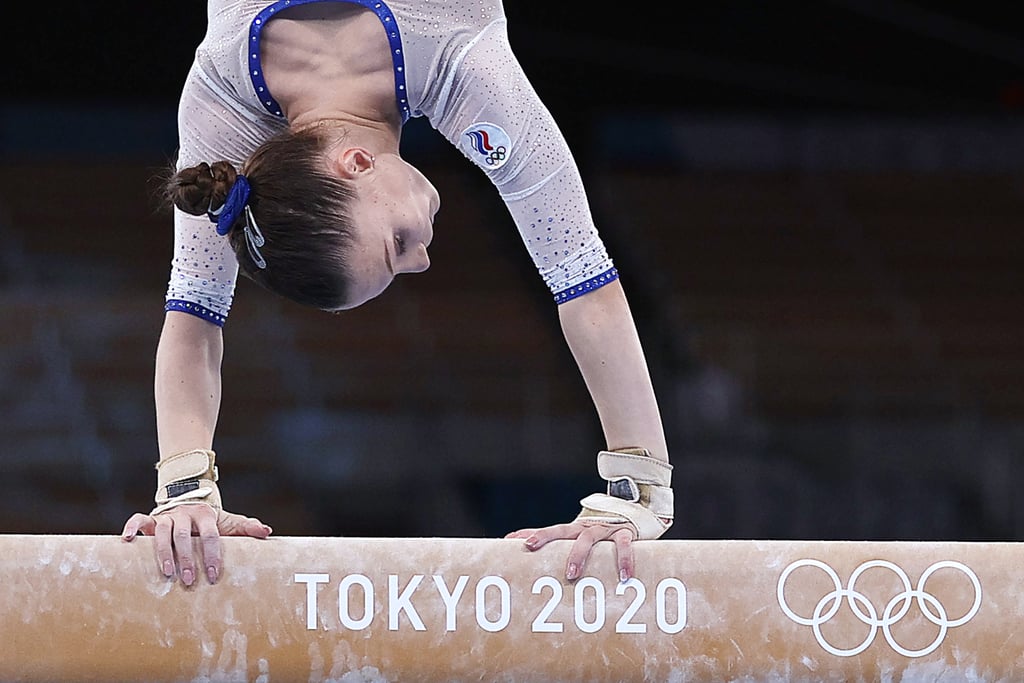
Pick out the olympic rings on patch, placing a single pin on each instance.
(498, 155)
(865, 611)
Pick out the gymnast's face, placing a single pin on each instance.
(393, 217)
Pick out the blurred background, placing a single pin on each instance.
(816, 209)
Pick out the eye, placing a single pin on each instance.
(399, 245)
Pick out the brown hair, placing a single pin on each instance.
(301, 209)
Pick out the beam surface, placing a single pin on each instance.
(372, 610)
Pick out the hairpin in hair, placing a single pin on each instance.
(254, 239)
(234, 203)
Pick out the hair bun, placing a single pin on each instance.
(202, 188)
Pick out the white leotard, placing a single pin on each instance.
(453, 65)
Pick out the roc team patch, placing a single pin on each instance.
(487, 144)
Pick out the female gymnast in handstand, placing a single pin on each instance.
(288, 171)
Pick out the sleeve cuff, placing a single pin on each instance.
(586, 286)
(195, 309)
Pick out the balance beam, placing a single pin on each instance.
(361, 610)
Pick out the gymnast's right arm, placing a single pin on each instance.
(187, 392)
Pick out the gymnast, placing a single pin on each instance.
(288, 171)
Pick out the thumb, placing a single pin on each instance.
(232, 524)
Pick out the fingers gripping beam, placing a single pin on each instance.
(93, 608)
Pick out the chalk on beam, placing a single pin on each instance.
(93, 608)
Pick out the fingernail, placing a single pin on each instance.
(168, 568)
(532, 542)
(211, 574)
(572, 572)
(623, 576)
(186, 577)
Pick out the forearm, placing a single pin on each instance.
(187, 384)
(602, 336)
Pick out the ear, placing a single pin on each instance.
(351, 162)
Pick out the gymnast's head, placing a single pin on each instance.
(313, 219)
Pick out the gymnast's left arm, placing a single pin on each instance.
(638, 504)
(495, 117)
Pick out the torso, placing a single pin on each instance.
(327, 57)
(446, 60)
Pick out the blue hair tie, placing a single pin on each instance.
(234, 204)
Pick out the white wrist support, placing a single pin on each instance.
(187, 477)
(639, 492)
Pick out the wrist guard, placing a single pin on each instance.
(639, 493)
(187, 477)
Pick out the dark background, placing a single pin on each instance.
(816, 207)
(843, 55)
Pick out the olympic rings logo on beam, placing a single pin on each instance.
(894, 610)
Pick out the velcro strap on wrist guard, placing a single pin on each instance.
(639, 492)
(187, 477)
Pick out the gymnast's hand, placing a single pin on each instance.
(638, 505)
(173, 530)
(585, 535)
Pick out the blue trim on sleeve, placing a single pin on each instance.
(596, 282)
(196, 310)
(383, 12)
